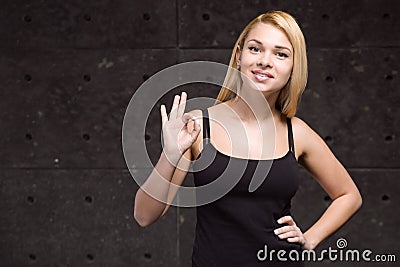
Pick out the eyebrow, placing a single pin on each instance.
(277, 46)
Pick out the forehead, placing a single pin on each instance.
(268, 34)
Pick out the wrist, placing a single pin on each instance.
(309, 243)
(172, 158)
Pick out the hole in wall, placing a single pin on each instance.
(385, 198)
(27, 18)
(30, 199)
(86, 77)
(28, 136)
(89, 199)
(87, 17)
(328, 139)
(90, 257)
(86, 137)
(146, 16)
(388, 77)
(206, 17)
(147, 137)
(145, 77)
(389, 138)
(147, 255)
(32, 257)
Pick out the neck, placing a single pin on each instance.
(255, 106)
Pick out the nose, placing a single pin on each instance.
(265, 61)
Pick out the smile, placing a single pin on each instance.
(262, 76)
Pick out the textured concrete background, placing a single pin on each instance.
(69, 68)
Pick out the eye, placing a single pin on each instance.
(282, 55)
(254, 49)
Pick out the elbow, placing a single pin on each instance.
(141, 220)
(141, 216)
(145, 215)
(358, 201)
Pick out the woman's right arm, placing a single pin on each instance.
(154, 196)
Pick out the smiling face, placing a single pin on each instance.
(266, 59)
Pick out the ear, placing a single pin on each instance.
(238, 53)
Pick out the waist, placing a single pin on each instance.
(236, 249)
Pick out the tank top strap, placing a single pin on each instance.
(290, 135)
(206, 126)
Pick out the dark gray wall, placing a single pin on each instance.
(69, 68)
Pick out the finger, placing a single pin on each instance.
(188, 117)
(289, 234)
(196, 129)
(164, 116)
(294, 239)
(182, 105)
(174, 109)
(284, 229)
(287, 219)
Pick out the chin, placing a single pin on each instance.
(265, 90)
(261, 87)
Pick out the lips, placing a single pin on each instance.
(262, 75)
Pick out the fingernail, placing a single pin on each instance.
(279, 221)
(276, 232)
(280, 236)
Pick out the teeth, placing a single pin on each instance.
(261, 75)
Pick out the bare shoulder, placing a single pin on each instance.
(301, 128)
(305, 138)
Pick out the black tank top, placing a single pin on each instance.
(233, 229)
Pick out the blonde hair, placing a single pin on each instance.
(290, 94)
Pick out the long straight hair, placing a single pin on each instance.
(290, 95)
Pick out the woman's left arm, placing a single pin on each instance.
(319, 160)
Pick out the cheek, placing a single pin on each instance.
(286, 69)
(248, 58)
(245, 62)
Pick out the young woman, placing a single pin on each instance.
(262, 88)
